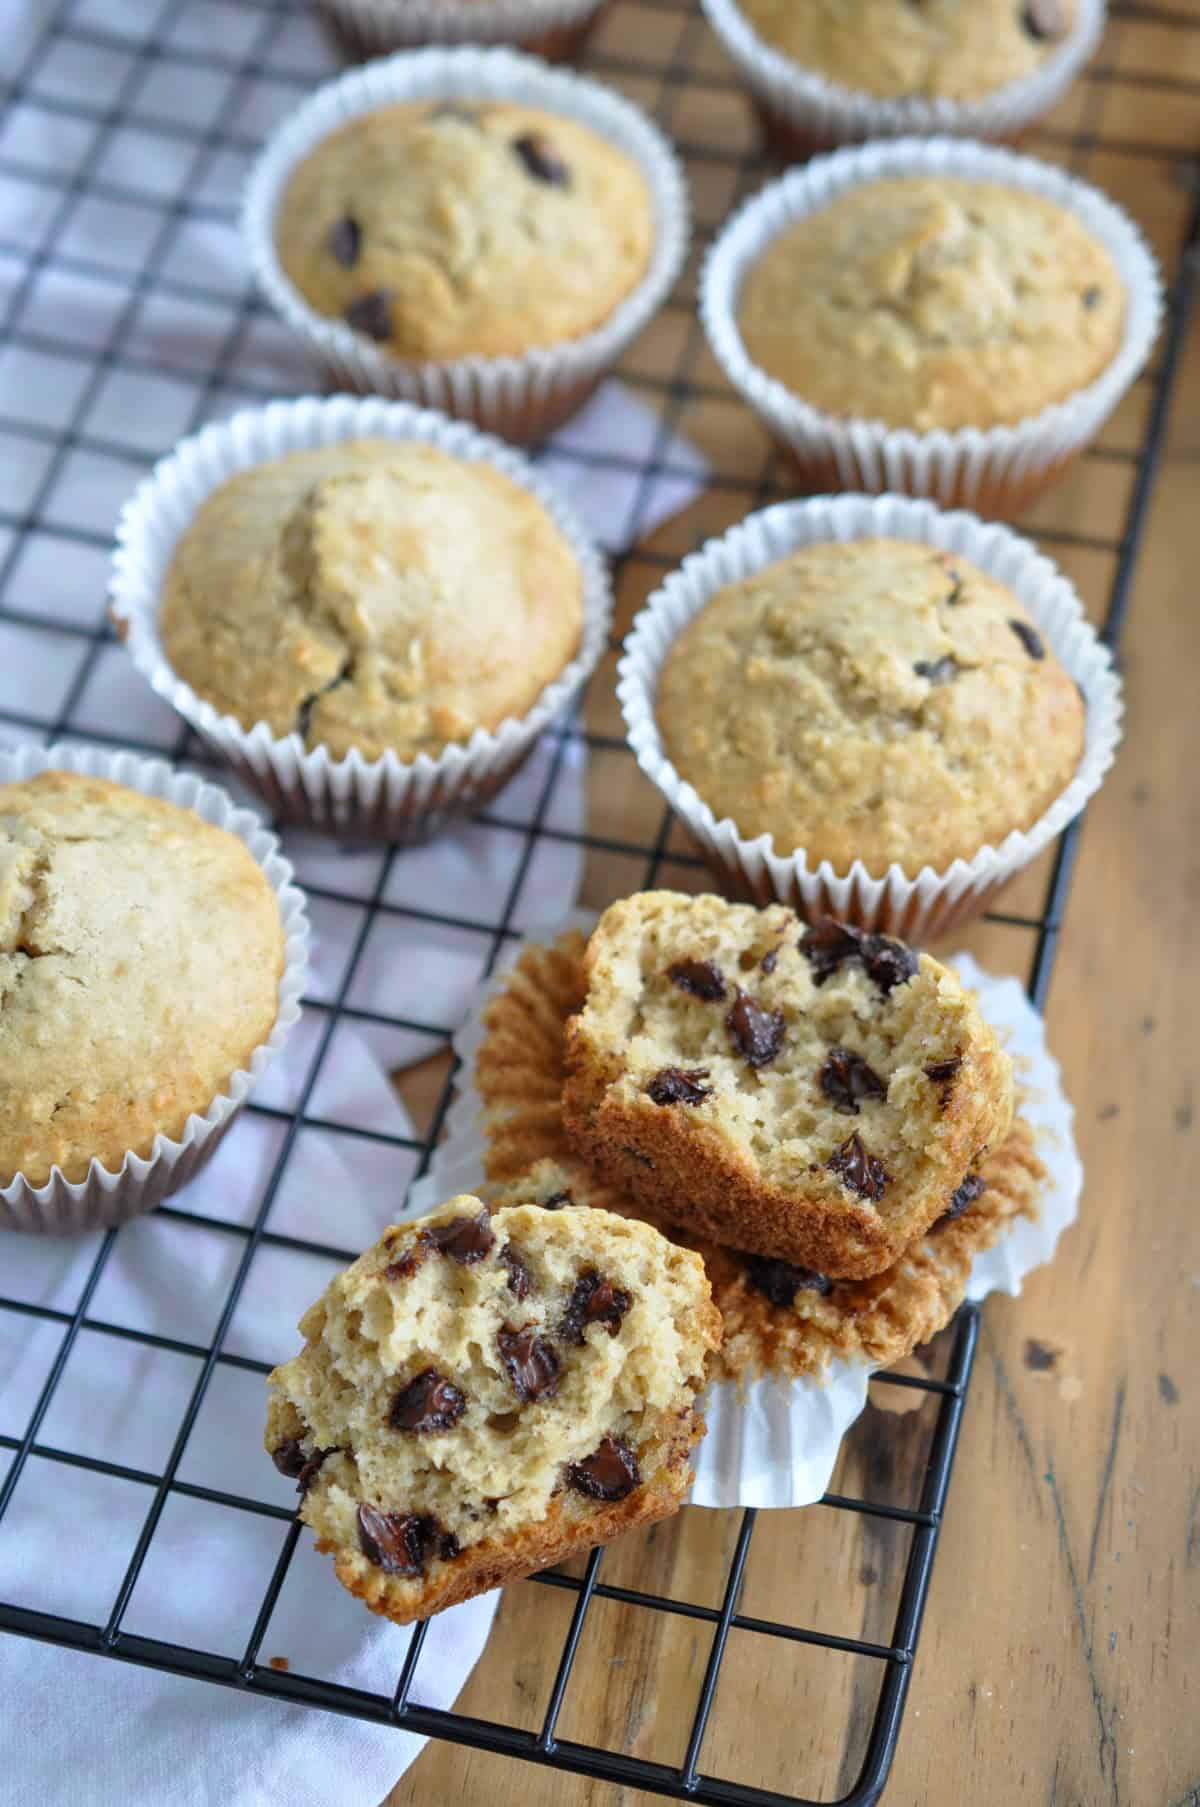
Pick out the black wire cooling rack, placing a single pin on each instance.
(152, 110)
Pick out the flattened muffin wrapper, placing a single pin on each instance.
(109, 1196)
(993, 469)
(917, 906)
(824, 113)
(775, 1441)
(523, 397)
(384, 798)
(378, 26)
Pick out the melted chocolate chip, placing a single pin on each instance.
(1044, 20)
(962, 1198)
(846, 1080)
(344, 239)
(940, 671)
(1030, 639)
(407, 1264)
(531, 1362)
(556, 1201)
(465, 1239)
(942, 1070)
(428, 1403)
(312, 1467)
(609, 1473)
(541, 159)
(857, 1169)
(701, 977)
(519, 1281)
(889, 963)
(671, 1085)
(756, 1032)
(400, 1543)
(289, 1458)
(830, 943)
(594, 1300)
(1092, 297)
(780, 1281)
(770, 959)
(371, 314)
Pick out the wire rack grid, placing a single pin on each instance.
(126, 135)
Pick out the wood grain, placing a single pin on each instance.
(1058, 1659)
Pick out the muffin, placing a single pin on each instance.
(141, 950)
(481, 1395)
(940, 49)
(377, 595)
(928, 302)
(555, 29)
(879, 700)
(814, 1096)
(466, 228)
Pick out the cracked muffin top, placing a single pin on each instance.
(881, 700)
(376, 594)
(942, 49)
(140, 956)
(932, 301)
(458, 229)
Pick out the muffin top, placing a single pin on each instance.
(930, 301)
(373, 594)
(879, 700)
(140, 956)
(483, 228)
(940, 49)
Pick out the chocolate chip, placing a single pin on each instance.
(942, 1070)
(956, 585)
(962, 1198)
(609, 1473)
(857, 1169)
(312, 1467)
(399, 1543)
(780, 1281)
(671, 1085)
(846, 1079)
(556, 1201)
(371, 314)
(889, 963)
(1044, 20)
(408, 1263)
(428, 1403)
(594, 1300)
(700, 977)
(519, 1281)
(756, 1032)
(541, 159)
(344, 239)
(826, 945)
(289, 1458)
(465, 1239)
(1030, 639)
(770, 959)
(1092, 297)
(940, 671)
(1039, 1356)
(531, 1363)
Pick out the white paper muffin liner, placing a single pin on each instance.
(995, 470)
(775, 1442)
(917, 906)
(550, 27)
(111, 1196)
(388, 797)
(523, 397)
(816, 113)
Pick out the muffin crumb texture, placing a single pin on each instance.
(374, 594)
(933, 301)
(878, 700)
(466, 228)
(938, 49)
(140, 956)
(482, 1394)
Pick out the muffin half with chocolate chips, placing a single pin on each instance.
(482, 1395)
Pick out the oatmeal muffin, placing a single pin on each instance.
(940, 49)
(373, 594)
(812, 1095)
(140, 956)
(879, 700)
(934, 301)
(481, 1395)
(466, 228)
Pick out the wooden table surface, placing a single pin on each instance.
(1058, 1661)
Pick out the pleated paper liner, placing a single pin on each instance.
(554, 29)
(109, 1196)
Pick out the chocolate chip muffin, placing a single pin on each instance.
(879, 700)
(812, 1095)
(373, 594)
(939, 49)
(140, 955)
(466, 228)
(482, 1395)
(934, 301)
